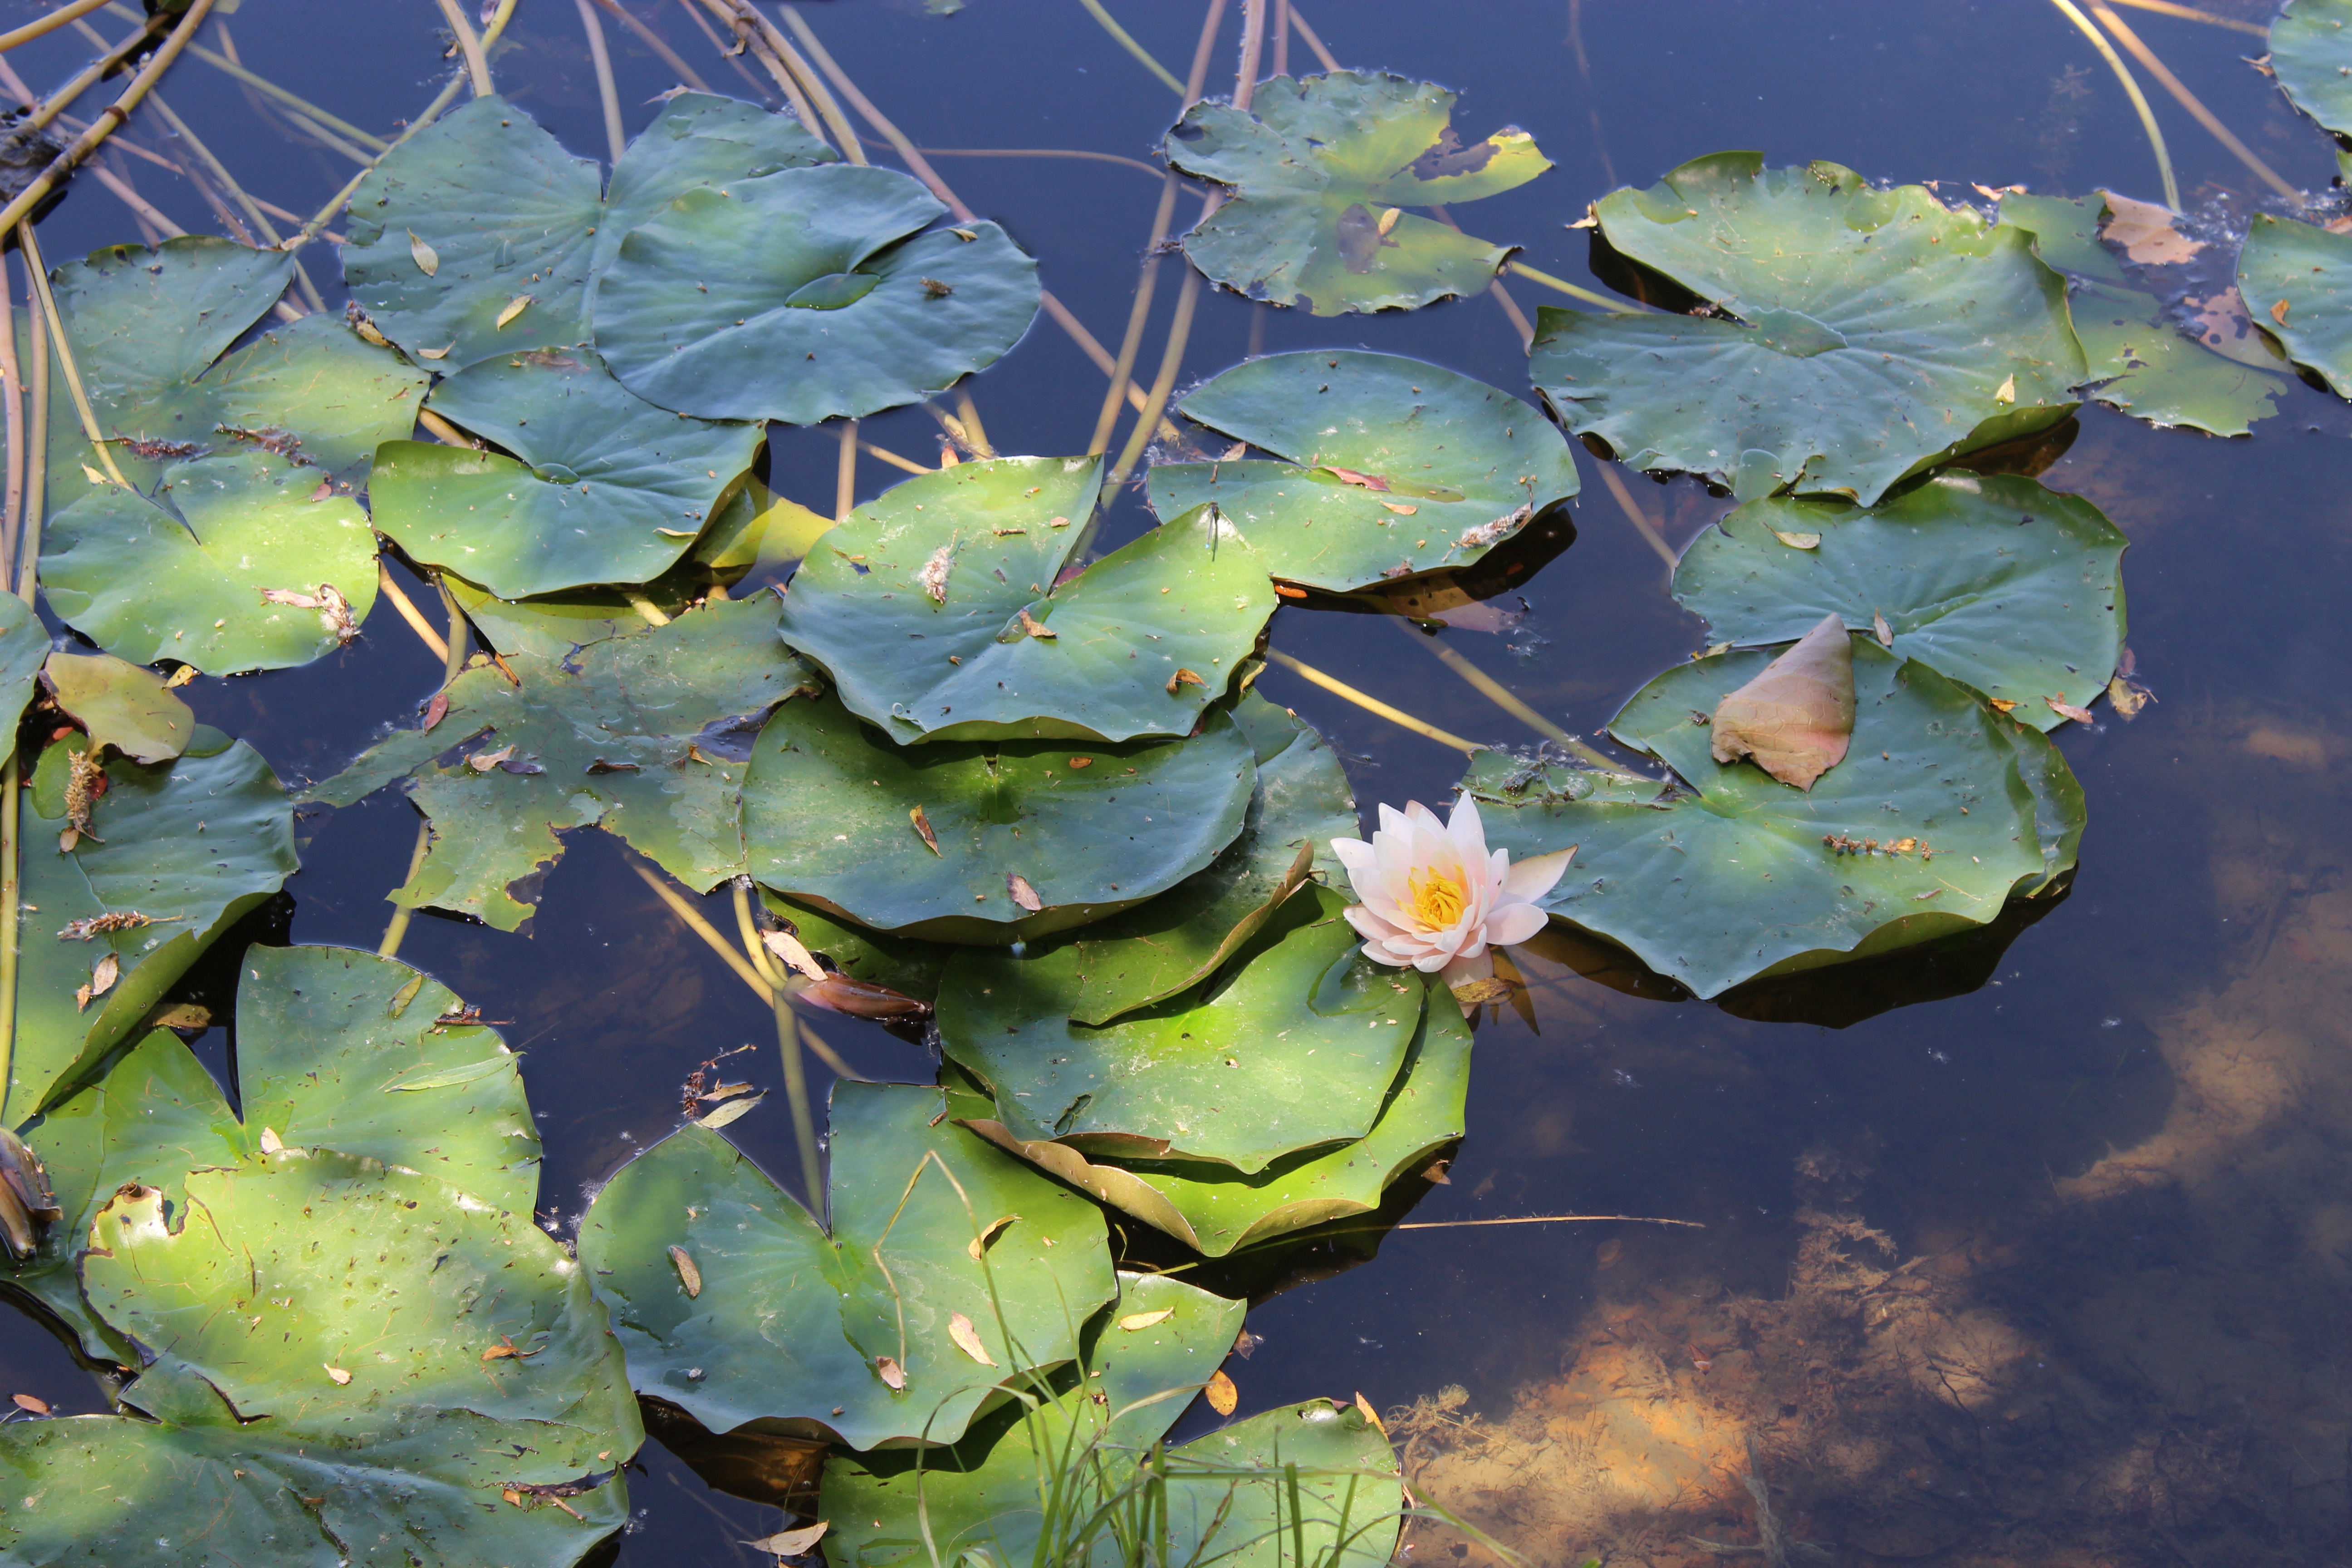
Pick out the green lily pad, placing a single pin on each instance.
(190, 575)
(123, 705)
(642, 735)
(1390, 466)
(756, 530)
(607, 488)
(982, 1494)
(1292, 1047)
(1743, 876)
(148, 327)
(808, 294)
(1862, 335)
(1317, 166)
(24, 649)
(2014, 589)
(828, 818)
(505, 213)
(1216, 1210)
(782, 1320)
(554, 625)
(2139, 363)
(192, 845)
(915, 606)
(2308, 271)
(336, 1049)
(364, 1426)
(2311, 55)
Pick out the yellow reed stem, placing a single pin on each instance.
(1503, 696)
(891, 457)
(110, 58)
(1093, 7)
(477, 65)
(2190, 101)
(252, 208)
(974, 430)
(845, 478)
(1171, 361)
(2190, 14)
(1521, 270)
(600, 58)
(27, 543)
(647, 611)
(389, 588)
(230, 67)
(39, 269)
(1641, 520)
(2131, 88)
(1371, 704)
(111, 116)
(1039, 153)
(396, 930)
(46, 25)
(1306, 36)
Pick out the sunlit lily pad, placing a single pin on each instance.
(835, 814)
(2139, 363)
(1389, 465)
(192, 845)
(1216, 1210)
(1319, 169)
(1941, 811)
(148, 327)
(808, 294)
(1293, 1046)
(2311, 55)
(737, 1306)
(602, 487)
(422, 1362)
(643, 735)
(1995, 581)
(2297, 280)
(238, 564)
(935, 609)
(906, 965)
(1861, 334)
(483, 208)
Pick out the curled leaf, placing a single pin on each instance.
(1183, 678)
(967, 1339)
(1371, 1416)
(1795, 719)
(979, 1245)
(1224, 1398)
(101, 981)
(270, 1142)
(2006, 392)
(688, 1275)
(790, 1543)
(1034, 627)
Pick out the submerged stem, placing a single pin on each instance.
(2192, 102)
(1522, 269)
(1371, 704)
(1126, 42)
(402, 914)
(477, 65)
(654, 41)
(1306, 36)
(1509, 701)
(616, 138)
(2131, 88)
(1641, 520)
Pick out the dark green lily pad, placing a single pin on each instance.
(1862, 335)
(507, 214)
(2139, 363)
(1293, 1046)
(1216, 1210)
(2014, 589)
(808, 294)
(359, 1421)
(1318, 166)
(189, 576)
(1138, 644)
(1390, 466)
(148, 327)
(554, 625)
(2311, 55)
(827, 819)
(1749, 876)
(904, 964)
(24, 649)
(126, 706)
(784, 1320)
(193, 844)
(643, 735)
(336, 1049)
(2308, 271)
(608, 489)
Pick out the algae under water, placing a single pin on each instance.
(2032, 1248)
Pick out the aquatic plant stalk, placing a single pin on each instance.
(904, 464)
(788, 1041)
(1641, 520)
(1282, 37)
(453, 660)
(12, 412)
(1371, 704)
(1095, 8)
(732, 57)
(46, 25)
(228, 182)
(654, 41)
(809, 97)
(12, 773)
(1038, 153)
(747, 41)
(26, 543)
(236, 69)
(2131, 88)
(1590, 297)
(1171, 361)
(599, 56)
(974, 431)
(389, 588)
(2196, 107)
(96, 71)
(1307, 34)
(39, 269)
(1503, 696)
(157, 223)
(1253, 52)
(2190, 14)
(844, 473)
(477, 65)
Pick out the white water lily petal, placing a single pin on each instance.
(1434, 899)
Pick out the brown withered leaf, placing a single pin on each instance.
(864, 999)
(792, 1542)
(428, 260)
(436, 710)
(730, 1112)
(28, 1404)
(2068, 710)
(1035, 627)
(515, 307)
(788, 947)
(892, 1375)
(967, 1339)
(101, 981)
(507, 1349)
(1135, 1321)
(1183, 678)
(1371, 1416)
(1881, 630)
(483, 762)
(2003, 704)
(1796, 717)
(1022, 893)
(1082, 762)
(979, 1245)
(688, 1275)
(1222, 1396)
(1350, 477)
(2144, 231)
(338, 1376)
(923, 826)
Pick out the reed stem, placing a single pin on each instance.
(2131, 88)
(42, 27)
(1371, 704)
(1095, 8)
(1522, 269)
(236, 193)
(1509, 701)
(231, 67)
(388, 585)
(2196, 107)
(614, 137)
(96, 71)
(1641, 520)
(477, 65)
(2190, 14)
(396, 932)
(845, 474)
(1306, 36)
(27, 543)
(39, 269)
(12, 410)
(654, 41)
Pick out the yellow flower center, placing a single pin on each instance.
(1436, 898)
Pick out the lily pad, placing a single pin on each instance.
(905, 964)
(238, 564)
(1319, 169)
(366, 1424)
(24, 649)
(735, 1304)
(554, 625)
(643, 735)
(1861, 335)
(2311, 55)
(1389, 465)
(2140, 362)
(148, 328)
(336, 1049)
(1941, 811)
(834, 815)
(126, 706)
(1293, 1046)
(191, 845)
(1216, 1210)
(483, 208)
(2014, 589)
(808, 294)
(935, 610)
(2297, 280)
(602, 487)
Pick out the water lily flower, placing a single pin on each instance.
(1434, 899)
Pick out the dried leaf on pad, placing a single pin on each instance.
(1794, 720)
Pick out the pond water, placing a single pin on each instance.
(2038, 1253)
